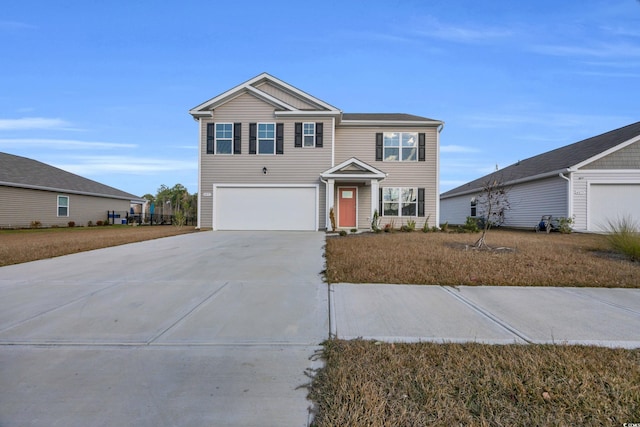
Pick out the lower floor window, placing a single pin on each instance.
(399, 201)
(63, 206)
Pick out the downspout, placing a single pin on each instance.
(199, 213)
(569, 194)
(326, 202)
(439, 129)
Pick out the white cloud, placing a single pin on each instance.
(31, 123)
(96, 165)
(462, 34)
(601, 50)
(60, 144)
(457, 149)
(14, 25)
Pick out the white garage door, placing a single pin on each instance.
(613, 202)
(265, 208)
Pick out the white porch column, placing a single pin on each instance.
(375, 195)
(331, 183)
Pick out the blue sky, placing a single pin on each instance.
(102, 89)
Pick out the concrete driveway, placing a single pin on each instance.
(205, 329)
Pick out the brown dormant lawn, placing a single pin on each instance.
(532, 259)
(374, 384)
(17, 246)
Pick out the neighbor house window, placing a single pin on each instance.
(224, 138)
(399, 201)
(474, 207)
(63, 206)
(400, 146)
(266, 138)
(308, 134)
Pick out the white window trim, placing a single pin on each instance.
(258, 139)
(215, 144)
(312, 135)
(400, 159)
(58, 206)
(399, 202)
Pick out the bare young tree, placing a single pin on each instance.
(492, 204)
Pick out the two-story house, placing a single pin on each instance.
(272, 157)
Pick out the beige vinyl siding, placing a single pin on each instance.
(296, 166)
(360, 142)
(625, 158)
(19, 207)
(581, 181)
(285, 96)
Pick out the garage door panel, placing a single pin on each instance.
(612, 202)
(265, 208)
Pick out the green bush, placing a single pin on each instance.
(624, 237)
(343, 233)
(471, 225)
(565, 225)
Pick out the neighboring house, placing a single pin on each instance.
(272, 157)
(594, 182)
(33, 191)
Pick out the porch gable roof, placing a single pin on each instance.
(353, 169)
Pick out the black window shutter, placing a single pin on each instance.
(279, 138)
(420, 201)
(421, 147)
(252, 138)
(211, 133)
(379, 147)
(237, 138)
(380, 202)
(319, 135)
(298, 133)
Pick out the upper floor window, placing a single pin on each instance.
(63, 206)
(266, 138)
(308, 134)
(400, 146)
(224, 138)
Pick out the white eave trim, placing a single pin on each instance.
(369, 173)
(67, 191)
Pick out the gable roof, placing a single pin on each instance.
(353, 168)
(252, 86)
(21, 172)
(560, 160)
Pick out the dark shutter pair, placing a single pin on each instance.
(421, 147)
(298, 135)
(420, 202)
(253, 138)
(237, 138)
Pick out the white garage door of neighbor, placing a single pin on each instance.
(265, 208)
(611, 203)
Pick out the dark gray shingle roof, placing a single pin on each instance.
(385, 117)
(555, 160)
(28, 173)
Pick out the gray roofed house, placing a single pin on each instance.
(34, 191)
(594, 181)
(273, 157)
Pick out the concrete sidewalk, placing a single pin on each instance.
(486, 314)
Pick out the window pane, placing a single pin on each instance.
(409, 139)
(391, 154)
(63, 201)
(223, 146)
(266, 130)
(390, 194)
(390, 209)
(408, 209)
(62, 211)
(309, 128)
(409, 194)
(266, 146)
(224, 130)
(392, 139)
(409, 154)
(309, 141)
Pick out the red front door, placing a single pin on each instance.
(347, 197)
